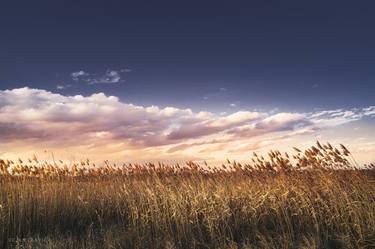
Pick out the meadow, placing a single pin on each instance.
(316, 198)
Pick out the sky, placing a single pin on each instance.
(180, 80)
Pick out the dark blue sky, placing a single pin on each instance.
(291, 55)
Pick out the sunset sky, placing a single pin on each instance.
(174, 81)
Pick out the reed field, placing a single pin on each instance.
(316, 198)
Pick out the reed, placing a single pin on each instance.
(316, 198)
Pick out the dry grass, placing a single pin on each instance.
(318, 198)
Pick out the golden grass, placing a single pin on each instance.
(317, 198)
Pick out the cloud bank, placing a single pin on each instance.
(35, 116)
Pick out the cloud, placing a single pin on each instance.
(61, 87)
(109, 77)
(126, 70)
(370, 111)
(34, 116)
(281, 121)
(204, 124)
(330, 118)
(218, 93)
(272, 123)
(79, 74)
(272, 140)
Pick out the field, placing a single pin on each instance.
(317, 198)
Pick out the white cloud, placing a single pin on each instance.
(370, 111)
(61, 87)
(337, 117)
(33, 116)
(77, 75)
(109, 77)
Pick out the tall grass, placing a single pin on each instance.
(318, 198)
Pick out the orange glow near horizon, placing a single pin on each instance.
(102, 127)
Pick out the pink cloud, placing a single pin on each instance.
(38, 116)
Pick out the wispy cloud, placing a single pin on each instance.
(216, 93)
(126, 70)
(61, 86)
(76, 76)
(109, 77)
(370, 111)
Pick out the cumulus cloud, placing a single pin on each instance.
(38, 116)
